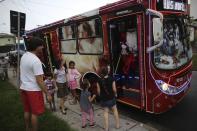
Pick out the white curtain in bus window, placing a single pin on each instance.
(131, 40)
(91, 46)
(157, 30)
(90, 40)
(68, 32)
(68, 46)
(68, 40)
(127, 34)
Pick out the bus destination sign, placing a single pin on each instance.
(176, 5)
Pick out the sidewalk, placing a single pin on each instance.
(73, 117)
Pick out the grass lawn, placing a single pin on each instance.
(11, 113)
(195, 61)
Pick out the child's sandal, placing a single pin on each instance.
(83, 126)
(64, 108)
(63, 112)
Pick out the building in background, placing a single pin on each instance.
(7, 43)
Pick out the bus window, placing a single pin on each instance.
(68, 39)
(89, 37)
(176, 49)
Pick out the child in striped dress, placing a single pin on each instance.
(50, 84)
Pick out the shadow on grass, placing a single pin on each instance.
(11, 113)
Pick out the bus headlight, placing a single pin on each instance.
(170, 89)
(164, 86)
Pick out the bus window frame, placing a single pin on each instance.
(153, 57)
(96, 36)
(60, 40)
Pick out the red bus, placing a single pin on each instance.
(145, 42)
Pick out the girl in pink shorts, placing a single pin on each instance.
(73, 75)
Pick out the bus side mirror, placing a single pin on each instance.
(157, 29)
(157, 34)
(154, 13)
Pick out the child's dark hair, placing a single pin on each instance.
(104, 71)
(58, 64)
(33, 43)
(49, 74)
(71, 62)
(85, 84)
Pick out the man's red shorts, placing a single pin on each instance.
(33, 102)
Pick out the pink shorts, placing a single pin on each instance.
(33, 102)
(73, 85)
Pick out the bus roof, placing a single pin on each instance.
(102, 10)
(118, 5)
(121, 4)
(51, 25)
(5, 35)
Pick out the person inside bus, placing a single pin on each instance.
(128, 41)
(170, 44)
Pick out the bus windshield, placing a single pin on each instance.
(175, 50)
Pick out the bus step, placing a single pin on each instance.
(132, 90)
(132, 102)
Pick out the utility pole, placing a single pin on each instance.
(18, 53)
(17, 23)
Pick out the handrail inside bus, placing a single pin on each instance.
(152, 48)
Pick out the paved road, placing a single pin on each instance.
(183, 117)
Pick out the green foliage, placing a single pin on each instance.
(11, 113)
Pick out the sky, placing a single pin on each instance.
(41, 12)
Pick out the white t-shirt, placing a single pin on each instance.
(60, 75)
(30, 66)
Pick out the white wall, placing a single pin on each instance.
(194, 8)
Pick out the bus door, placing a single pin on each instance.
(123, 43)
